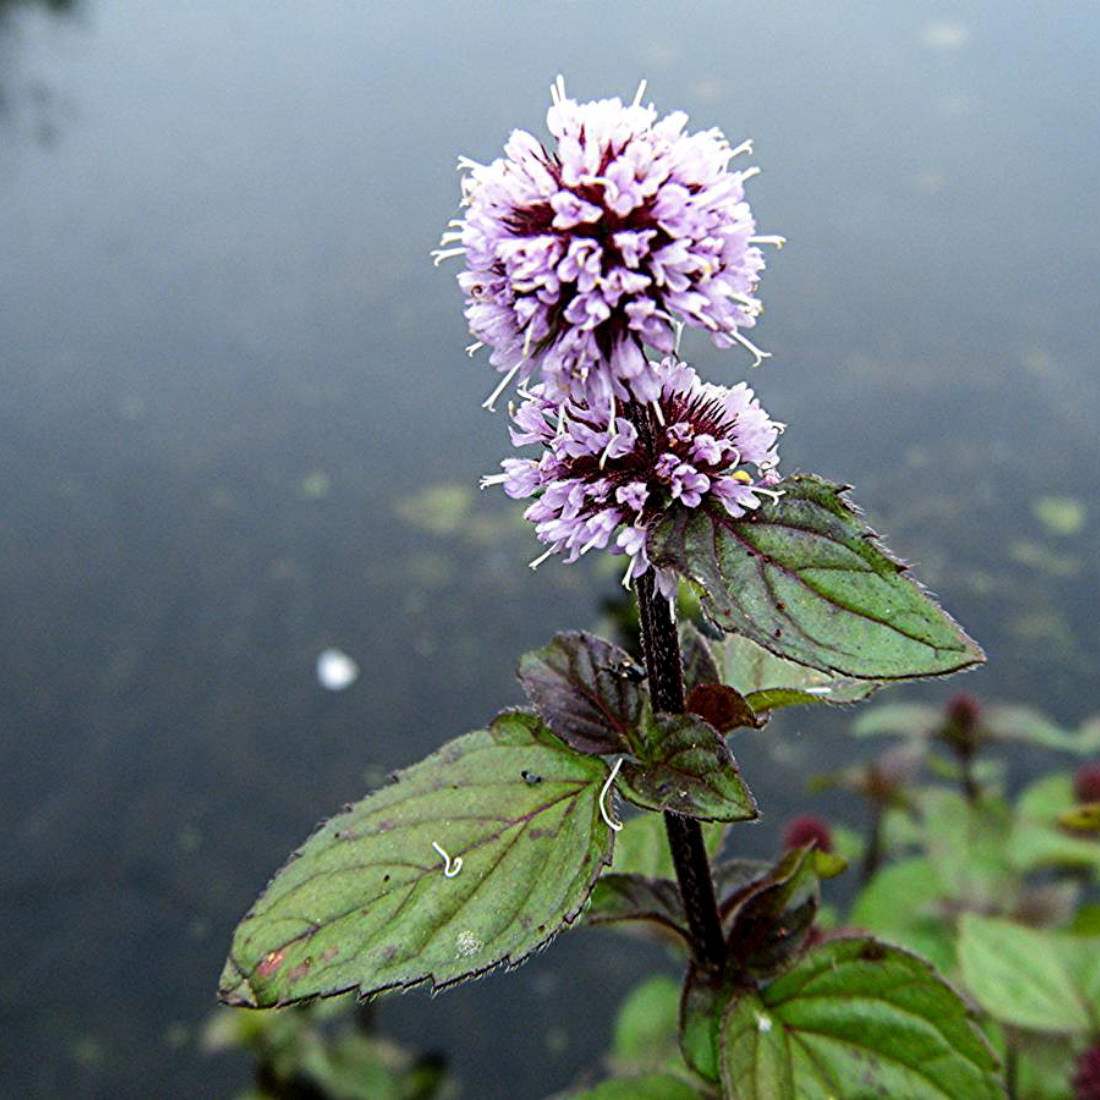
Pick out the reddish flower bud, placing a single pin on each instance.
(964, 710)
(807, 829)
(1086, 783)
(1086, 1075)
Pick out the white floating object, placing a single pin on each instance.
(336, 670)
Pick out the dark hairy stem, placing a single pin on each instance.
(661, 647)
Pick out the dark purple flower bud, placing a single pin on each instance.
(964, 710)
(1086, 1075)
(807, 829)
(1086, 782)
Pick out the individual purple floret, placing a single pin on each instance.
(580, 255)
(599, 485)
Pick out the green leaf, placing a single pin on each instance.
(702, 1003)
(769, 682)
(645, 1035)
(1037, 841)
(1031, 978)
(586, 690)
(365, 902)
(1081, 819)
(808, 581)
(855, 1018)
(968, 845)
(688, 769)
(898, 720)
(1014, 723)
(903, 903)
(641, 848)
(657, 1086)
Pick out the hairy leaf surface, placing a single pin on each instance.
(855, 1018)
(365, 903)
(807, 580)
(689, 769)
(586, 690)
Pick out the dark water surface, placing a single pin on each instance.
(228, 368)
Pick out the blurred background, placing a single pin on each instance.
(237, 429)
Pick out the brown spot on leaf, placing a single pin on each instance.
(873, 952)
(330, 953)
(300, 971)
(270, 963)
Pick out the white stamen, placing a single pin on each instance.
(611, 823)
(557, 90)
(744, 147)
(678, 330)
(561, 419)
(638, 94)
(758, 355)
(492, 479)
(775, 494)
(441, 254)
(450, 867)
(754, 305)
(451, 235)
(658, 412)
(540, 559)
(628, 576)
(672, 608)
(749, 173)
(490, 402)
(770, 238)
(465, 164)
(527, 341)
(471, 348)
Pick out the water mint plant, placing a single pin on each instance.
(583, 256)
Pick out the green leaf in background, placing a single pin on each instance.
(903, 903)
(769, 682)
(855, 1018)
(1081, 819)
(646, 1027)
(656, 1086)
(1037, 840)
(807, 580)
(898, 720)
(366, 902)
(586, 690)
(1031, 978)
(641, 847)
(968, 844)
(1025, 725)
(689, 769)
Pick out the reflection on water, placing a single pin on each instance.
(27, 101)
(238, 432)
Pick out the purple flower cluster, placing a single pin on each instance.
(600, 485)
(580, 256)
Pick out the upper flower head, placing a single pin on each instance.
(600, 484)
(579, 255)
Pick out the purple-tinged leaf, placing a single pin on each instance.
(688, 768)
(807, 580)
(587, 691)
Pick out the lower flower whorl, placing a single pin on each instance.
(600, 482)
